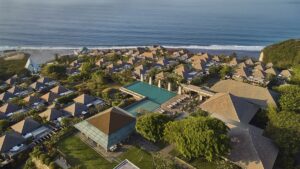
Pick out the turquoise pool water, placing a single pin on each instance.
(142, 106)
(153, 93)
(155, 96)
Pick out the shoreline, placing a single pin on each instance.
(44, 54)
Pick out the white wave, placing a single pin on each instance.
(221, 47)
(210, 47)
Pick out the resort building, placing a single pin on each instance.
(285, 74)
(76, 109)
(108, 128)
(60, 90)
(229, 108)
(37, 86)
(5, 96)
(49, 97)
(52, 114)
(32, 66)
(254, 94)
(26, 127)
(250, 149)
(11, 143)
(9, 109)
(34, 102)
(89, 100)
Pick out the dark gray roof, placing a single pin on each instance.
(26, 126)
(6, 96)
(9, 140)
(9, 108)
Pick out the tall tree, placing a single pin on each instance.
(199, 137)
(284, 129)
(152, 125)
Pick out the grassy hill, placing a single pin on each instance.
(284, 54)
(11, 65)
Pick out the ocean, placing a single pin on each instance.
(244, 25)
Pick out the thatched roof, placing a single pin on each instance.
(49, 97)
(76, 109)
(9, 140)
(255, 94)
(250, 150)
(271, 71)
(51, 114)
(84, 99)
(59, 89)
(26, 126)
(228, 107)
(5, 96)
(111, 120)
(9, 108)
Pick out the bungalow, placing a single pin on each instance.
(49, 97)
(34, 101)
(89, 100)
(47, 81)
(285, 74)
(240, 74)
(233, 62)
(147, 55)
(254, 94)
(216, 58)
(9, 109)
(37, 86)
(162, 62)
(60, 90)
(271, 71)
(75, 64)
(17, 91)
(140, 70)
(242, 65)
(52, 114)
(185, 71)
(249, 62)
(258, 76)
(76, 109)
(6, 96)
(269, 65)
(259, 67)
(11, 143)
(108, 128)
(160, 76)
(12, 81)
(26, 127)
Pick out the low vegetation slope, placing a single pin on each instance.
(284, 54)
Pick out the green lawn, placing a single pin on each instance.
(139, 157)
(198, 163)
(78, 153)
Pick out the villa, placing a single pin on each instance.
(52, 114)
(49, 97)
(89, 100)
(11, 143)
(76, 109)
(26, 127)
(108, 128)
(5, 96)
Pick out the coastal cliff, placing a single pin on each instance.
(283, 54)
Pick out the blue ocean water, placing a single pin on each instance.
(211, 24)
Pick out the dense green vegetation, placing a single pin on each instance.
(196, 137)
(9, 68)
(284, 125)
(152, 125)
(283, 54)
(54, 71)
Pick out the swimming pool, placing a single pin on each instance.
(142, 106)
(154, 97)
(153, 93)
